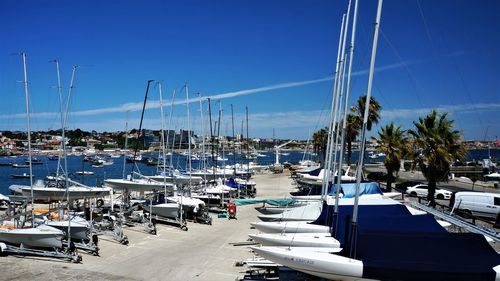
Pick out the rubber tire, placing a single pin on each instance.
(99, 203)
(413, 193)
(440, 196)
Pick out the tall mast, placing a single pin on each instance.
(346, 106)
(340, 87)
(59, 92)
(327, 158)
(211, 133)
(218, 135)
(140, 124)
(126, 142)
(203, 141)
(363, 131)
(234, 148)
(25, 82)
(189, 135)
(70, 91)
(170, 126)
(248, 139)
(164, 158)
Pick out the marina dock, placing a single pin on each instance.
(203, 252)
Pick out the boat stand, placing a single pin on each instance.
(88, 246)
(21, 250)
(140, 220)
(181, 223)
(111, 228)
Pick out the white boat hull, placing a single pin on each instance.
(290, 227)
(309, 212)
(56, 194)
(78, 231)
(167, 210)
(40, 237)
(180, 180)
(324, 265)
(137, 185)
(317, 240)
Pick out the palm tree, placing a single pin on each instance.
(440, 146)
(373, 114)
(355, 121)
(352, 132)
(320, 139)
(392, 142)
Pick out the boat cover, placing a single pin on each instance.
(270, 201)
(393, 255)
(349, 189)
(422, 224)
(326, 216)
(232, 183)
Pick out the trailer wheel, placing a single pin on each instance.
(99, 203)
(3, 249)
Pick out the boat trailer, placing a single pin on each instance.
(181, 223)
(111, 227)
(89, 246)
(68, 254)
(139, 219)
(449, 217)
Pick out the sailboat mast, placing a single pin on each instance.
(234, 148)
(126, 142)
(211, 134)
(189, 136)
(170, 126)
(363, 130)
(248, 139)
(25, 82)
(164, 158)
(202, 156)
(346, 106)
(140, 124)
(327, 158)
(70, 91)
(59, 92)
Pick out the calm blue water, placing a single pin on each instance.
(76, 163)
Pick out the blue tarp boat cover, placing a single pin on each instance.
(349, 189)
(392, 255)
(232, 183)
(422, 224)
(270, 201)
(326, 215)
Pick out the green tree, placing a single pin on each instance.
(391, 141)
(352, 131)
(439, 146)
(320, 140)
(355, 121)
(373, 114)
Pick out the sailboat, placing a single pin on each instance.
(40, 237)
(12, 233)
(365, 255)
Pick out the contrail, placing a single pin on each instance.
(137, 106)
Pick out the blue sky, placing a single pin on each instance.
(275, 57)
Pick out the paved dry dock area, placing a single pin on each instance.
(202, 253)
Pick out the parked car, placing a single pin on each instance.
(479, 204)
(404, 185)
(421, 190)
(377, 176)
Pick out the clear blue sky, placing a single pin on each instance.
(432, 54)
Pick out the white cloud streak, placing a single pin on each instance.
(152, 104)
(392, 114)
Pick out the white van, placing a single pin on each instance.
(479, 204)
